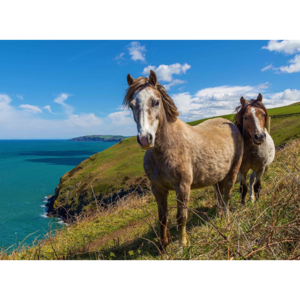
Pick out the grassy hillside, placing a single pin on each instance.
(267, 229)
(118, 168)
(110, 174)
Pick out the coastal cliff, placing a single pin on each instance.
(104, 177)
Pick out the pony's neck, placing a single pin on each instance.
(164, 136)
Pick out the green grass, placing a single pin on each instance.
(285, 110)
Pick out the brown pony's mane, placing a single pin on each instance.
(143, 82)
(238, 117)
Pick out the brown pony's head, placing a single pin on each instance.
(150, 105)
(251, 119)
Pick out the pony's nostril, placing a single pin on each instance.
(150, 138)
(256, 136)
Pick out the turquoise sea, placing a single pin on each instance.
(29, 171)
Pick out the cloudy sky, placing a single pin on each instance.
(64, 89)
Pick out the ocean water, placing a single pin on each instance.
(29, 171)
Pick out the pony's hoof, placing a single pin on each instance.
(184, 242)
(243, 202)
(183, 245)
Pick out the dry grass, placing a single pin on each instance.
(269, 229)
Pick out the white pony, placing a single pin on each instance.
(259, 149)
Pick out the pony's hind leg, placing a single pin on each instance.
(252, 179)
(219, 190)
(231, 178)
(161, 197)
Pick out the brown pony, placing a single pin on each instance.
(259, 149)
(181, 157)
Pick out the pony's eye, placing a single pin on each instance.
(156, 103)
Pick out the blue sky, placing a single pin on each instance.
(63, 89)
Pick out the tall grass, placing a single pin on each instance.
(269, 229)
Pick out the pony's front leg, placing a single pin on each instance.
(161, 197)
(257, 184)
(183, 197)
(252, 180)
(243, 186)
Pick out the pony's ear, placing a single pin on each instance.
(152, 78)
(259, 97)
(243, 101)
(130, 80)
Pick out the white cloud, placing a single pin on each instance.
(121, 118)
(47, 107)
(21, 122)
(20, 97)
(84, 120)
(287, 47)
(31, 108)
(4, 100)
(293, 67)
(136, 51)
(269, 67)
(214, 101)
(286, 97)
(146, 70)
(61, 100)
(174, 82)
(120, 56)
(166, 72)
(223, 100)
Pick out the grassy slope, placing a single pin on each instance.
(120, 166)
(106, 136)
(267, 229)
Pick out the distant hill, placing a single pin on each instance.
(99, 138)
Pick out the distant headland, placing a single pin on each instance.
(99, 138)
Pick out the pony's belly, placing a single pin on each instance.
(198, 184)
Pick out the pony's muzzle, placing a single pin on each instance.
(146, 141)
(259, 138)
